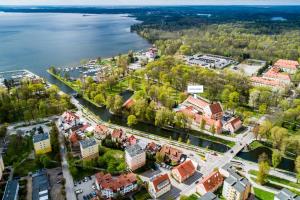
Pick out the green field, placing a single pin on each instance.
(263, 195)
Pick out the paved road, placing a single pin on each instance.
(65, 168)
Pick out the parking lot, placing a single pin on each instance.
(85, 186)
(56, 177)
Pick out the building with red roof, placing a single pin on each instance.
(159, 185)
(289, 66)
(101, 131)
(209, 123)
(233, 125)
(214, 111)
(210, 183)
(197, 103)
(183, 171)
(110, 186)
(131, 140)
(171, 154)
(129, 103)
(118, 135)
(70, 117)
(264, 82)
(275, 74)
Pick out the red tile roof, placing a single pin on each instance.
(73, 137)
(275, 73)
(290, 64)
(160, 182)
(185, 169)
(212, 181)
(101, 129)
(130, 102)
(235, 121)
(197, 102)
(131, 140)
(106, 181)
(215, 108)
(70, 116)
(171, 152)
(266, 82)
(217, 123)
(117, 133)
(152, 147)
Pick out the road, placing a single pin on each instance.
(65, 168)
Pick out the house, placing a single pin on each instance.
(41, 143)
(210, 183)
(77, 133)
(152, 148)
(212, 125)
(264, 82)
(110, 186)
(183, 171)
(151, 53)
(289, 66)
(233, 125)
(1, 166)
(131, 140)
(198, 103)
(11, 190)
(171, 154)
(285, 194)
(70, 118)
(118, 135)
(101, 132)
(40, 186)
(236, 187)
(89, 149)
(129, 103)
(209, 196)
(275, 74)
(135, 157)
(159, 185)
(214, 111)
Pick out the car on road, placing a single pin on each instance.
(79, 191)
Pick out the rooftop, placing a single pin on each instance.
(209, 196)
(160, 182)
(107, 181)
(237, 182)
(287, 64)
(210, 182)
(285, 194)
(134, 150)
(40, 185)
(40, 137)
(185, 169)
(87, 143)
(11, 190)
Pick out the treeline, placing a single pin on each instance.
(31, 101)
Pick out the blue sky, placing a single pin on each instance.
(149, 2)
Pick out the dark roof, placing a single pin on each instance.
(209, 196)
(237, 182)
(11, 190)
(134, 150)
(87, 143)
(40, 137)
(40, 185)
(285, 194)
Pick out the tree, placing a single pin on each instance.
(99, 99)
(185, 49)
(262, 108)
(276, 158)
(264, 129)
(118, 102)
(3, 130)
(263, 171)
(278, 137)
(159, 157)
(131, 120)
(233, 100)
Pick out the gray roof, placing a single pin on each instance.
(237, 182)
(40, 185)
(228, 167)
(134, 150)
(285, 194)
(87, 143)
(11, 190)
(209, 196)
(40, 137)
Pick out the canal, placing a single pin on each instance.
(105, 115)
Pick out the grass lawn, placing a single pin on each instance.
(142, 195)
(191, 197)
(278, 180)
(263, 195)
(256, 144)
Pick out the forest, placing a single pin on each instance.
(31, 101)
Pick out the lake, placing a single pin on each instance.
(35, 41)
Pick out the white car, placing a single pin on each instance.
(79, 191)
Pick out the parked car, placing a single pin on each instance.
(79, 191)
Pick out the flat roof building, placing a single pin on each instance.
(11, 190)
(40, 186)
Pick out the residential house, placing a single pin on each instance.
(41, 143)
(11, 190)
(233, 125)
(101, 132)
(1, 167)
(151, 53)
(264, 82)
(171, 154)
(209, 196)
(236, 187)
(152, 148)
(135, 156)
(212, 125)
(214, 111)
(70, 118)
(289, 66)
(118, 135)
(183, 171)
(89, 149)
(77, 133)
(129, 103)
(110, 186)
(285, 194)
(131, 140)
(40, 186)
(159, 185)
(275, 74)
(210, 183)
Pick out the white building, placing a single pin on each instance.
(159, 185)
(236, 187)
(285, 194)
(135, 156)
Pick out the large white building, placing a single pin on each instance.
(135, 156)
(89, 149)
(285, 194)
(236, 187)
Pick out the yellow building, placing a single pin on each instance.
(89, 149)
(41, 143)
